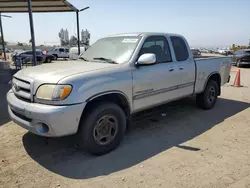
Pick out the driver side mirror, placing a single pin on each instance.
(147, 59)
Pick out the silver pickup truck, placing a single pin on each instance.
(116, 77)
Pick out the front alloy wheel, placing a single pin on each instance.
(105, 129)
(102, 128)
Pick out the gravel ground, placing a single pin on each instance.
(176, 145)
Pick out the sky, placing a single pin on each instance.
(205, 23)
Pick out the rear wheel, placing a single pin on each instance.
(208, 98)
(238, 63)
(102, 128)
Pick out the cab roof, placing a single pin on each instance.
(143, 34)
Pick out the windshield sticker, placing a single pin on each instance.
(128, 40)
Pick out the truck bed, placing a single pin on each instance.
(210, 65)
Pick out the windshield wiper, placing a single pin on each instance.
(105, 59)
(82, 58)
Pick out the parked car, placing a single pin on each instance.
(203, 50)
(73, 52)
(59, 52)
(196, 53)
(6, 51)
(27, 56)
(228, 52)
(116, 77)
(241, 57)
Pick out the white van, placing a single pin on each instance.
(73, 52)
(61, 52)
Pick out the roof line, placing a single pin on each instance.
(66, 2)
(8, 6)
(33, 6)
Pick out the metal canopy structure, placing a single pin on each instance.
(19, 6)
(39, 6)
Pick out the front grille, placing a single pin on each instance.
(22, 89)
(24, 99)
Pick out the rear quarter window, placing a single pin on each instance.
(180, 48)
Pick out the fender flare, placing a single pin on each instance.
(209, 76)
(110, 92)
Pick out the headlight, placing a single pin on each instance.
(53, 92)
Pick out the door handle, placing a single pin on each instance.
(170, 69)
(181, 68)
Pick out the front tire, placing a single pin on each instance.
(102, 128)
(48, 60)
(55, 56)
(208, 98)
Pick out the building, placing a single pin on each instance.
(65, 40)
(85, 36)
(66, 35)
(61, 34)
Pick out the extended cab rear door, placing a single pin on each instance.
(157, 83)
(185, 64)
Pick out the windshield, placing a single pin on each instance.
(116, 49)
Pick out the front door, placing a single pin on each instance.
(157, 83)
(61, 52)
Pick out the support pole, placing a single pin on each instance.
(78, 32)
(2, 37)
(32, 31)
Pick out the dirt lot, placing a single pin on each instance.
(184, 147)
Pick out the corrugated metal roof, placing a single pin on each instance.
(17, 6)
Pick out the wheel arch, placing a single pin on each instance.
(117, 97)
(216, 77)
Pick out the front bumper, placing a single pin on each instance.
(45, 120)
(245, 62)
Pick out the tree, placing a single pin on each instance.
(63, 43)
(73, 41)
(19, 44)
(2, 40)
(30, 41)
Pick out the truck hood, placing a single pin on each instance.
(53, 72)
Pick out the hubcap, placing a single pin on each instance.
(105, 129)
(211, 95)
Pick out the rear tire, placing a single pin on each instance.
(238, 63)
(208, 98)
(102, 128)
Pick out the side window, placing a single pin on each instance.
(180, 48)
(61, 50)
(157, 45)
(28, 53)
(67, 50)
(239, 52)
